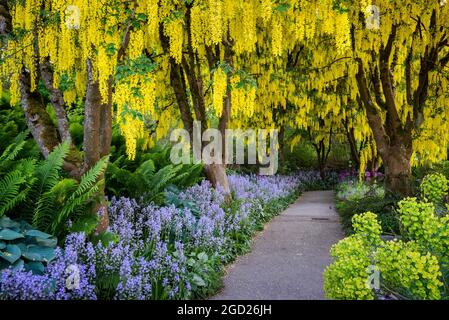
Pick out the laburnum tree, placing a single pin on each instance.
(202, 42)
(288, 95)
(392, 59)
(139, 63)
(378, 70)
(63, 48)
(402, 79)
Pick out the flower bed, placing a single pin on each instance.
(172, 252)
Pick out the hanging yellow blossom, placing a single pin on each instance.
(174, 30)
(219, 90)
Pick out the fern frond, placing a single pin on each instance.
(146, 168)
(10, 194)
(195, 174)
(14, 148)
(85, 193)
(51, 202)
(48, 172)
(90, 178)
(72, 205)
(163, 176)
(28, 168)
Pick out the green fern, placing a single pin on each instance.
(9, 191)
(12, 151)
(92, 176)
(16, 183)
(147, 168)
(51, 202)
(85, 193)
(47, 173)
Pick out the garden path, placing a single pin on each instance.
(290, 255)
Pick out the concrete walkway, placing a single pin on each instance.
(290, 255)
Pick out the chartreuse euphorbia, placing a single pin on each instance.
(405, 269)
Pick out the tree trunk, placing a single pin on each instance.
(353, 146)
(394, 143)
(216, 174)
(37, 118)
(190, 69)
(57, 101)
(5, 19)
(397, 171)
(282, 146)
(97, 135)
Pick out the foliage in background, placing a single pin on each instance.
(355, 197)
(147, 178)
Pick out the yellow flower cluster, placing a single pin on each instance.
(219, 90)
(266, 10)
(174, 29)
(342, 33)
(245, 19)
(196, 27)
(242, 99)
(277, 35)
(215, 24)
(134, 98)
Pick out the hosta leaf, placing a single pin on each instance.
(38, 253)
(18, 265)
(8, 234)
(6, 222)
(37, 234)
(36, 267)
(11, 253)
(50, 242)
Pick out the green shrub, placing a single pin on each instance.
(422, 225)
(410, 272)
(383, 208)
(368, 227)
(435, 187)
(147, 178)
(408, 269)
(347, 276)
